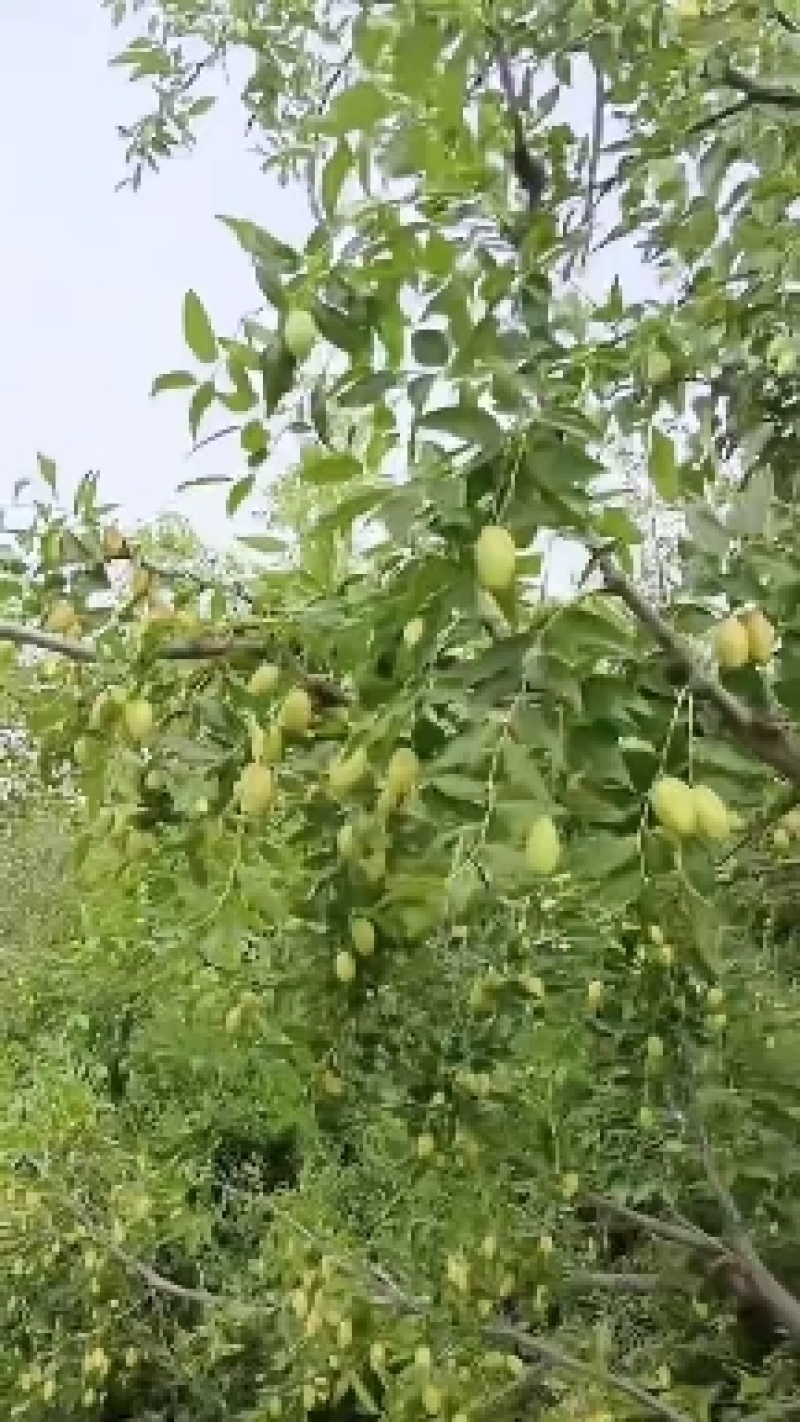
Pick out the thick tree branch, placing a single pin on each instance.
(770, 741)
(780, 1303)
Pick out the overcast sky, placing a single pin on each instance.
(92, 280)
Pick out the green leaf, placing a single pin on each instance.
(358, 109)
(334, 174)
(261, 244)
(324, 468)
(201, 402)
(197, 329)
(47, 470)
(430, 347)
(241, 491)
(174, 380)
(663, 468)
(471, 425)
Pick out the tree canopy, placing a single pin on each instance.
(400, 963)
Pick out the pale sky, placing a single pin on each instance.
(92, 280)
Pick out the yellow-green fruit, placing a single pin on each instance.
(413, 632)
(731, 644)
(711, 813)
(264, 680)
(374, 866)
(139, 719)
(141, 582)
(432, 1400)
(402, 772)
(297, 711)
(655, 1049)
(542, 847)
(344, 774)
(113, 542)
(377, 1356)
(256, 788)
(332, 1083)
(426, 1146)
(674, 806)
(760, 637)
(595, 993)
(233, 1019)
(300, 333)
(658, 366)
(62, 618)
(271, 745)
(363, 936)
(346, 842)
(780, 838)
(495, 558)
(715, 997)
(345, 967)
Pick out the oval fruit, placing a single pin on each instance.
(495, 558)
(256, 788)
(346, 842)
(300, 333)
(542, 847)
(344, 774)
(413, 632)
(674, 806)
(114, 545)
(711, 813)
(731, 644)
(345, 966)
(139, 719)
(658, 366)
(297, 711)
(760, 637)
(62, 618)
(595, 993)
(264, 679)
(402, 772)
(363, 936)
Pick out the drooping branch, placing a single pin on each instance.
(760, 91)
(194, 649)
(771, 741)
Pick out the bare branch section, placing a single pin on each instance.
(770, 741)
(197, 649)
(782, 1305)
(759, 91)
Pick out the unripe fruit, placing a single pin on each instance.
(657, 366)
(413, 632)
(141, 583)
(344, 774)
(426, 1146)
(332, 1084)
(233, 1020)
(345, 967)
(61, 618)
(256, 789)
(377, 1356)
(715, 997)
(656, 934)
(655, 1049)
(495, 559)
(542, 847)
(264, 680)
(402, 772)
(674, 806)
(139, 719)
(711, 813)
(300, 333)
(432, 1400)
(781, 838)
(595, 993)
(346, 842)
(113, 542)
(457, 1270)
(363, 935)
(297, 711)
(731, 644)
(374, 867)
(760, 637)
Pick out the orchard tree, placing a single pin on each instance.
(421, 1035)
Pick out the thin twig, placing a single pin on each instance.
(759, 91)
(587, 221)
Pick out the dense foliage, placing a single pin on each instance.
(400, 969)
